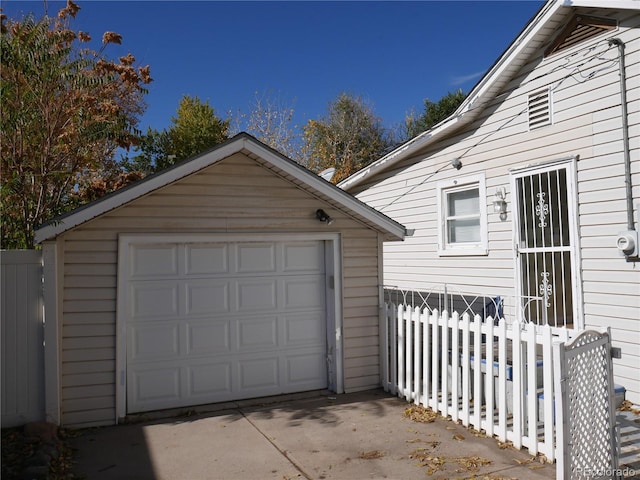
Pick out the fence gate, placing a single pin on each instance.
(587, 417)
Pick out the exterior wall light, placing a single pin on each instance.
(456, 163)
(322, 216)
(500, 204)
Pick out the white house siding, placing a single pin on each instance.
(234, 195)
(587, 124)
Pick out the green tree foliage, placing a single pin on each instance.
(65, 111)
(347, 139)
(434, 113)
(195, 129)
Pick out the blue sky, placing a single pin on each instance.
(394, 54)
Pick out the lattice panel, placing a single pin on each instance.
(591, 438)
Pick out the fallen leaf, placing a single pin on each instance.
(371, 455)
(418, 413)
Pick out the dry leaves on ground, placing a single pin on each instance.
(472, 463)
(371, 455)
(627, 406)
(418, 413)
(435, 463)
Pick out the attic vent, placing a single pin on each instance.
(579, 29)
(539, 109)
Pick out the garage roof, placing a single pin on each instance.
(253, 148)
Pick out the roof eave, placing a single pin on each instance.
(385, 224)
(84, 214)
(390, 228)
(403, 151)
(471, 106)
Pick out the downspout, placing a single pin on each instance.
(625, 132)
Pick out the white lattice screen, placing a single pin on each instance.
(589, 416)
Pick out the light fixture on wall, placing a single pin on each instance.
(456, 163)
(499, 203)
(322, 216)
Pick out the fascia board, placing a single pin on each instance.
(403, 151)
(92, 211)
(165, 178)
(609, 4)
(468, 109)
(330, 190)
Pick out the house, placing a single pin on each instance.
(234, 274)
(527, 196)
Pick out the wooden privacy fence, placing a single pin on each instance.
(21, 317)
(491, 376)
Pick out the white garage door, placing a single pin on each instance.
(211, 322)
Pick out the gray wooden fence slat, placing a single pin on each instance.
(21, 319)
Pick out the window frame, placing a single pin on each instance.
(446, 187)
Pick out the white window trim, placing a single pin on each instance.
(479, 248)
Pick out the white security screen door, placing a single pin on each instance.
(545, 230)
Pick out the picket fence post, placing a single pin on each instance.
(482, 373)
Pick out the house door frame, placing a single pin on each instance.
(547, 213)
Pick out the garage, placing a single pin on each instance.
(235, 274)
(211, 321)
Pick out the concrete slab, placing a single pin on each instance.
(354, 436)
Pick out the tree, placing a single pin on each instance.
(65, 110)
(347, 139)
(271, 122)
(434, 113)
(194, 129)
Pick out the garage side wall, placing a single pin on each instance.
(236, 195)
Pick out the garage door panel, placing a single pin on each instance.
(304, 292)
(154, 300)
(259, 374)
(210, 379)
(155, 385)
(151, 342)
(206, 336)
(256, 295)
(303, 256)
(302, 369)
(211, 259)
(304, 329)
(206, 297)
(255, 258)
(221, 321)
(153, 260)
(257, 333)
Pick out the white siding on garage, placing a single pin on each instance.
(236, 195)
(585, 86)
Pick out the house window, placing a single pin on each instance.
(462, 216)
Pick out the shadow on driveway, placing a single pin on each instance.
(319, 436)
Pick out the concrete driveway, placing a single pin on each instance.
(319, 436)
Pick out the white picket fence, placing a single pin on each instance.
(440, 361)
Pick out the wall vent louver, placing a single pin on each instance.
(578, 30)
(540, 109)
